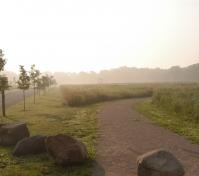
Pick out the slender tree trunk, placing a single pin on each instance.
(24, 100)
(34, 94)
(44, 91)
(3, 103)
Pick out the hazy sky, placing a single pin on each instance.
(75, 35)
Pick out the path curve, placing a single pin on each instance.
(125, 134)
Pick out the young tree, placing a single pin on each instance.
(45, 82)
(23, 82)
(38, 79)
(52, 81)
(39, 85)
(34, 75)
(3, 82)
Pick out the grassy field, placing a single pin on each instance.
(49, 117)
(89, 94)
(175, 107)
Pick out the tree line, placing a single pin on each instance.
(27, 79)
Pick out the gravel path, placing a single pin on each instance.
(125, 134)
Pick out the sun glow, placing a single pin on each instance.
(93, 35)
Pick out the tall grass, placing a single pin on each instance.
(88, 94)
(180, 99)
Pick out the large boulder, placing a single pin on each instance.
(11, 133)
(159, 163)
(31, 145)
(66, 150)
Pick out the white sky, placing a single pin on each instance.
(75, 35)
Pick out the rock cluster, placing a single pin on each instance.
(64, 149)
(67, 151)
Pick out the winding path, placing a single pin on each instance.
(125, 134)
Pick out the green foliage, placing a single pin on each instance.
(50, 117)
(2, 60)
(3, 79)
(89, 94)
(46, 81)
(40, 83)
(4, 83)
(34, 75)
(24, 79)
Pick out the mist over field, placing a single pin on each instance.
(126, 75)
(99, 88)
(131, 75)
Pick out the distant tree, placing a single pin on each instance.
(38, 80)
(34, 76)
(23, 82)
(39, 83)
(3, 82)
(45, 82)
(52, 81)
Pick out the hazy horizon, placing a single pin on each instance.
(75, 36)
(98, 71)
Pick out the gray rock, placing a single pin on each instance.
(11, 133)
(159, 163)
(66, 150)
(31, 145)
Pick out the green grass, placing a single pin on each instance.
(49, 116)
(176, 107)
(179, 124)
(183, 101)
(78, 95)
